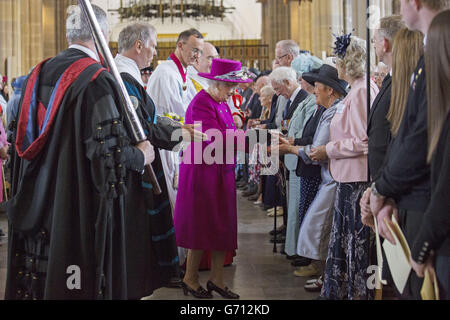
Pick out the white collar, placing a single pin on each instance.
(295, 93)
(125, 64)
(86, 50)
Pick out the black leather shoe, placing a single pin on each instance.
(253, 197)
(279, 236)
(280, 239)
(225, 293)
(241, 184)
(301, 262)
(280, 230)
(250, 192)
(200, 293)
(243, 188)
(174, 282)
(294, 257)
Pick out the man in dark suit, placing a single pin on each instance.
(284, 82)
(378, 129)
(405, 177)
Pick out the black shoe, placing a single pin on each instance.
(279, 236)
(250, 192)
(253, 197)
(2, 234)
(201, 293)
(280, 239)
(301, 262)
(225, 293)
(243, 187)
(241, 184)
(280, 230)
(294, 257)
(174, 282)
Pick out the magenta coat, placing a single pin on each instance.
(205, 214)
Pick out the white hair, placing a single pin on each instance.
(77, 26)
(290, 46)
(267, 91)
(212, 83)
(382, 66)
(134, 32)
(283, 73)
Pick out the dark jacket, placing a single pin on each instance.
(378, 129)
(434, 233)
(301, 95)
(255, 107)
(303, 169)
(246, 95)
(406, 174)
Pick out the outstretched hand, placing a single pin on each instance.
(190, 134)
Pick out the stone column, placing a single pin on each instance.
(9, 37)
(301, 24)
(54, 25)
(275, 23)
(31, 34)
(60, 22)
(327, 18)
(30, 30)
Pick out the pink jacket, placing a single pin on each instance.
(348, 146)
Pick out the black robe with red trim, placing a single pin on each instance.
(67, 229)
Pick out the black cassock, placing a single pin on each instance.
(156, 209)
(70, 223)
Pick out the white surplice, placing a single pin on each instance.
(127, 65)
(165, 87)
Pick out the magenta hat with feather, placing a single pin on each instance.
(228, 71)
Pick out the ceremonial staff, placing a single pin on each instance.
(130, 112)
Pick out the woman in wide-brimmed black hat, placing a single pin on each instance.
(316, 185)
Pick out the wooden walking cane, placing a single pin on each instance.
(4, 184)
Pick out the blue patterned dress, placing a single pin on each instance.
(349, 248)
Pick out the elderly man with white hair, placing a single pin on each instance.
(284, 82)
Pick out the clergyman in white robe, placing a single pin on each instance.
(165, 87)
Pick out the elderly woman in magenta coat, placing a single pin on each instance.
(205, 216)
